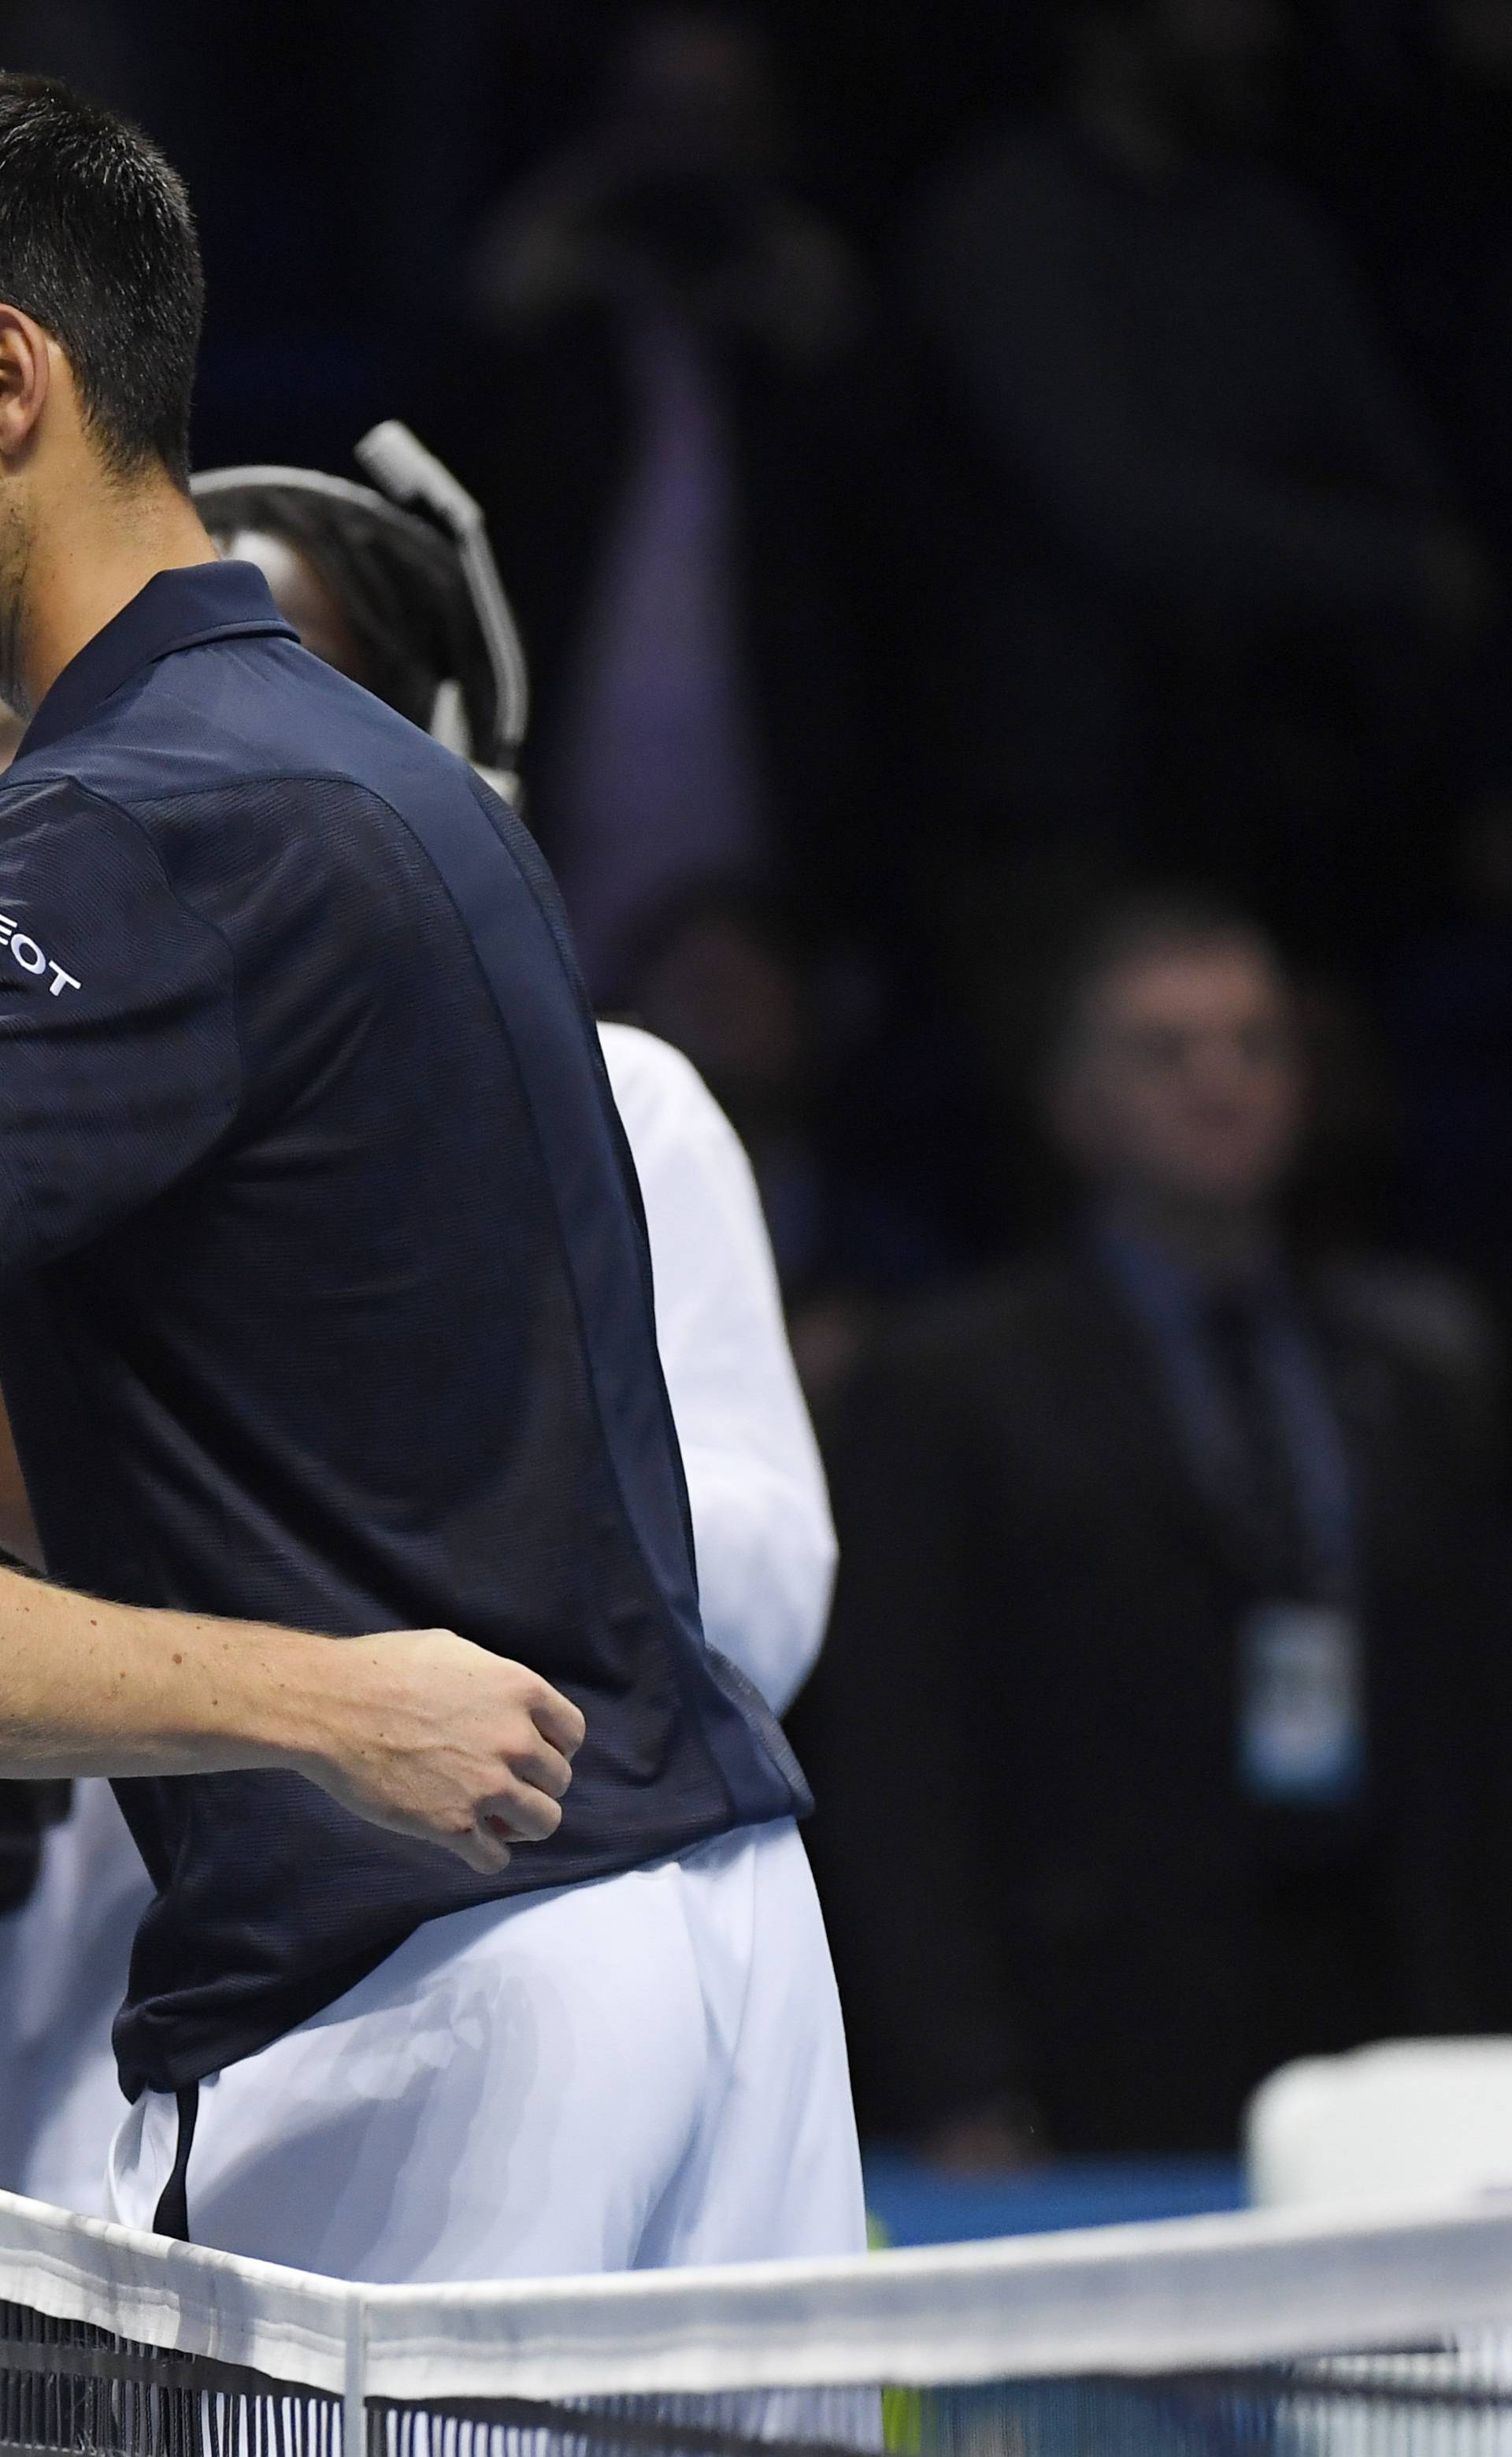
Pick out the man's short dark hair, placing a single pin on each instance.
(1140, 928)
(97, 244)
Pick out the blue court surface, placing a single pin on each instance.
(912, 2203)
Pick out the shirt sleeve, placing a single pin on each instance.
(761, 1528)
(119, 1065)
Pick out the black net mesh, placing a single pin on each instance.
(67, 2386)
(1431, 2406)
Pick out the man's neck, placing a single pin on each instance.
(84, 569)
(1215, 1243)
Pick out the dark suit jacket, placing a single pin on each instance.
(1039, 1867)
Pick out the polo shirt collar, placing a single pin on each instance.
(175, 610)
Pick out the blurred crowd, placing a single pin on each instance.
(1011, 516)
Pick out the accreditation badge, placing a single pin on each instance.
(1301, 1731)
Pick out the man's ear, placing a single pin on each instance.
(26, 381)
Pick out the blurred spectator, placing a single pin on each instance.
(1425, 176)
(1207, 545)
(1199, 1556)
(665, 442)
(721, 979)
(1452, 1007)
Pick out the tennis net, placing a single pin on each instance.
(1387, 2337)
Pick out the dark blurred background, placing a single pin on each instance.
(957, 463)
(1053, 544)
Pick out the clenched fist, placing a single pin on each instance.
(431, 1737)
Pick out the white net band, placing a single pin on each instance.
(1175, 2298)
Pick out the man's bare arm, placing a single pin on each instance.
(418, 1732)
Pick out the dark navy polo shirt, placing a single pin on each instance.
(324, 1296)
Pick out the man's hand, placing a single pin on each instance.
(415, 1731)
(431, 1737)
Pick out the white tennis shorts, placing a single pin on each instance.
(647, 2071)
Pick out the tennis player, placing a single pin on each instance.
(325, 1300)
(380, 593)
(765, 1547)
